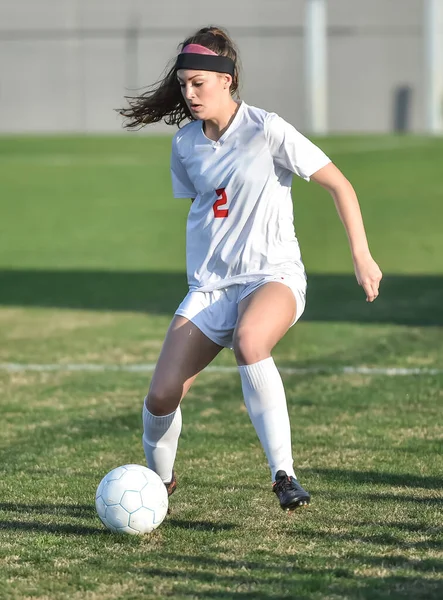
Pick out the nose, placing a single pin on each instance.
(189, 92)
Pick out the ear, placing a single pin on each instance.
(227, 81)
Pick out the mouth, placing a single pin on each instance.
(195, 107)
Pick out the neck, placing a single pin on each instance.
(214, 128)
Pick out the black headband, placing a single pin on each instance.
(205, 62)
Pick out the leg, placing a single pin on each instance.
(264, 317)
(186, 351)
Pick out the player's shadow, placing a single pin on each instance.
(404, 299)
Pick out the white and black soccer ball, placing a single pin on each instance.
(131, 499)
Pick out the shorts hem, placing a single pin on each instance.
(210, 336)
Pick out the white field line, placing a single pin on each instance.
(149, 368)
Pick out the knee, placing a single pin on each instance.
(247, 348)
(162, 400)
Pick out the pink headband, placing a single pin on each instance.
(197, 49)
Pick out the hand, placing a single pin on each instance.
(368, 276)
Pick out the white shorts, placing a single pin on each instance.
(216, 313)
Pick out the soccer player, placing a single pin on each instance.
(246, 278)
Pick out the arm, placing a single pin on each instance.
(366, 269)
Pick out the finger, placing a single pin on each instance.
(367, 287)
(371, 290)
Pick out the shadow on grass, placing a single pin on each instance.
(399, 561)
(288, 576)
(406, 480)
(404, 299)
(409, 527)
(382, 538)
(427, 500)
(382, 497)
(365, 588)
(81, 510)
(201, 525)
(57, 510)
(51, 528)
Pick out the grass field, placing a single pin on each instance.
(92, 267)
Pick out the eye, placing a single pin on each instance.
(200, 83)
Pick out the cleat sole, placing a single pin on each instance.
(295, 505)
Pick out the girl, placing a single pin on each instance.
(246, 278)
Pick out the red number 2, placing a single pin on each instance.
(222, 200)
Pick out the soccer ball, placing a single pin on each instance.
(131, 499)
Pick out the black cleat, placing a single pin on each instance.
(289, 492)
(172, 485)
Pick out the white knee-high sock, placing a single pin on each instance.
(160, 441)
(265, 400)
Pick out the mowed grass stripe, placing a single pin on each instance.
(88, 216)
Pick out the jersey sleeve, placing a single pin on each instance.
(181, 184)
(292, 150)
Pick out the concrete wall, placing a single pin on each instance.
(65, 64)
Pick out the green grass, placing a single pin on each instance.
(91, 268)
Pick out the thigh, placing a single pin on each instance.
(186, 351)
(263, 319)
(214, 313)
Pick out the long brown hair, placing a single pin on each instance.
(164, 100)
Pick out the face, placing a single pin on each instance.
(205, 92)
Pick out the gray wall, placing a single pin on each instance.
(65, 64)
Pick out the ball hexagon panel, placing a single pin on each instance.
(158, 492)
(117, 516)
(113, 491)
(153, 479)
(143, 520)
(160, 513)
(131, 501)
(133, 480)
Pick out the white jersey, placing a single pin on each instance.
(240, 225)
